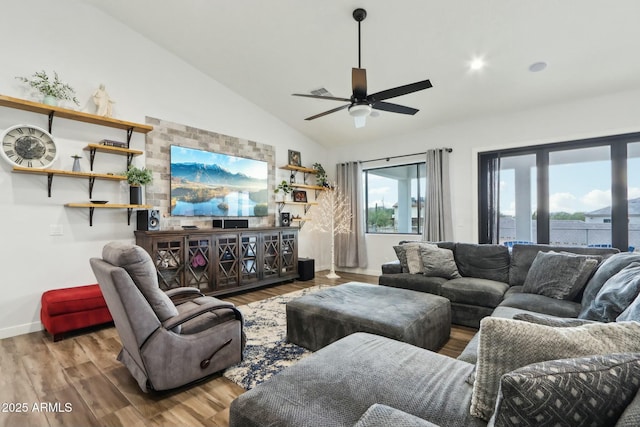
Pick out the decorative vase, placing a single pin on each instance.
(50, 100)
(135, 194)
(76, 164)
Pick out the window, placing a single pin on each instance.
(395, 199)
(574, 193)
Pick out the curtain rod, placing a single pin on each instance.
(448, 150)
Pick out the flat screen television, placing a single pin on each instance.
(204, 183)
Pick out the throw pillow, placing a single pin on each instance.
(507, 344)
(438, 262)
(608, 268)
(592, 390)
(631, 416)
(616, 295)
(559, 275)
(409, 256)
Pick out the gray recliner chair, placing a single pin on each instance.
(165, 345)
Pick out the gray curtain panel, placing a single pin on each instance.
(351, 250)
(437, 219)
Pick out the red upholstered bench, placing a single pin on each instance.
(70, 309)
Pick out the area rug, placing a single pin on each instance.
(267, 351)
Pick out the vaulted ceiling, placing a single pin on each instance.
(267, 50)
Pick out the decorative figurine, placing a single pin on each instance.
(103, 102)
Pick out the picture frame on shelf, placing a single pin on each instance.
(299, 196)
(294, 158)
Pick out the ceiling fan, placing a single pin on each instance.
(360, 105)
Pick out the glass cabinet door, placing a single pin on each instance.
(167, 256)
(271, 255)
(228, 265)
(249, 260)
(289, 258)
(197, 272)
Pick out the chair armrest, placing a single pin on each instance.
(392, 267)
(197, 311)
(184, 291)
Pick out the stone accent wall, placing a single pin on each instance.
(158, 150)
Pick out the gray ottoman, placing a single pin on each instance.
(320, 318)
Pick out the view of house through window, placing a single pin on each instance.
(580, 197)
(578, 193)
(395, 199)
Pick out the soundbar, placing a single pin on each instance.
(230, 223)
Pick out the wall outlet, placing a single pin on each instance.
(55, 230)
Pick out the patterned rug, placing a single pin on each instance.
(267, 351)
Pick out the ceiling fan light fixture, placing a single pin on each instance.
(360, 110)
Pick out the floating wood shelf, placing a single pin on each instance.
(93, 148)
(51, 111)
(298, 169)
(93, 206)
(309, 187)
(52, 172)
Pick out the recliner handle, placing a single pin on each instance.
(206, 362)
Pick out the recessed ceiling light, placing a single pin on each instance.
(537, 66)
(476, 64)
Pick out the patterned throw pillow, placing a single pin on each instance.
(438, 262)
(409, 256)
(507, 344)
(592, 391)
(559, 275)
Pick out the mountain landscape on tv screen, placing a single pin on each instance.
(210, 190)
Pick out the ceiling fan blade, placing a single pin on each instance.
(330, 98)
(400, 90)
(359, 83)
(394, 108)
(327, 112)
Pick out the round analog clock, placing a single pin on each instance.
(28, 146)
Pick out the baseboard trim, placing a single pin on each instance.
(25, 328)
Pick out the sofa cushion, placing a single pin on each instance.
(384, 416)
(137, 262)
(609, 267)
(372, 369)
(593, 390)
(522, 257)
(483, 261)
(469, 290)
(413, 282)
(616, 295)
(541, 304)
(558, 275)
(438, 262)
(557, 322)
(505, 345)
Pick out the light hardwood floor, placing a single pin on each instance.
(79, 382)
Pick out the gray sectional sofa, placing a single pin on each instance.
(533, 362)
(492, 275)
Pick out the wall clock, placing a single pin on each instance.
(28, 146)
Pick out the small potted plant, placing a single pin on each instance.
(53, 90)
(285, 187)
(321, 175)
(136, 178)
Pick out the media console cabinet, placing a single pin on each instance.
(222, 261)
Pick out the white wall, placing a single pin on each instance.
(88, 48)
(607, 115)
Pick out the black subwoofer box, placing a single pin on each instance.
(306, 267)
